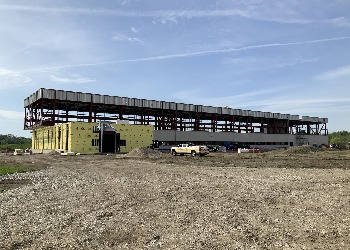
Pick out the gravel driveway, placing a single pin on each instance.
(217, 202)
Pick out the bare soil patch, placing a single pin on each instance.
(274, 200)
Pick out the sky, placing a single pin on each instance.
(286, 56)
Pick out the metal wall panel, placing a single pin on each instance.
(172, 105)
(198, 108)
(108, 99)
(187, 107)
(259, 114)
(123, 101)
(97, 98)
(180, 106)
(237, 112)
(60, 95)
(80, 97)
(138, 103)
(30, 98)
(146, 103)
(117, 101)
(214, 110)
(48, 94)
(83, 97)
(205, 109)
(305, 118)
(227, 111)
(152, 104)
(166, 105)
(294, 118)
(158, 104)
(26, 102)
(38, 94)
(71, 96)
(192, 108)
(131, 102)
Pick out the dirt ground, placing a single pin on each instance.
(291, 199)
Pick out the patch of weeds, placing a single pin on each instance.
(11, 169)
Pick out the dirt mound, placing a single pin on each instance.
(305, 149)
(143, 151)
(53, 152)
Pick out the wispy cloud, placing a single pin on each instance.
(198, 53)
(258, 63)
(191, 96)
(336, 73)
(134, 30)
(74, 78)
(122, 37)
(164, 16)
(11, 78)
(165, 20)
(12, 115)
(125, 2)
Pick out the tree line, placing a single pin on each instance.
(11, 142)
(12, 139)
(341, 137)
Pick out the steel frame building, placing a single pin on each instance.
(47, 107)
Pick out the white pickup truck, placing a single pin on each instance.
(183, 149)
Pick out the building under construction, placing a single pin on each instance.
(176, 122)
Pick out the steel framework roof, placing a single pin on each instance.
(47, 107)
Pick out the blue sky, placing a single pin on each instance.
(290, 57)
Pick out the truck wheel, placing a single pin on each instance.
(193, 153)
(173, 152)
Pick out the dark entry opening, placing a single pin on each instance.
(108, 141)
(117, 142)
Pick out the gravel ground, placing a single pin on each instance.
(224, 201)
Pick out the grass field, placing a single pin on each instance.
(12, 168)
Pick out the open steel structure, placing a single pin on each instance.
(176, 122)
(48, 107)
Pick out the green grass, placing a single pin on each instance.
(11, 169)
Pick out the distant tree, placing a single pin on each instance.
(12, 139)
(341, 137)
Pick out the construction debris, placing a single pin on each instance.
(305, 149)
(143, 151)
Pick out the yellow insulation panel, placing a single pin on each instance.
(83, 137)
(134, 136)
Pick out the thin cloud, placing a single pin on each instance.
(256, 63)
(74, 78)
(11, 78)
(166, 20)
(134, 30)
(192, 54)
(122, 37)
(11, 115)
(231, 101)
(122, 13)
(165, 16)
(336, 73)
